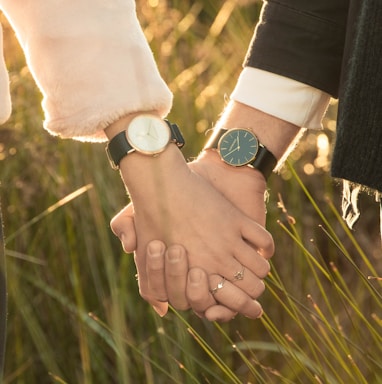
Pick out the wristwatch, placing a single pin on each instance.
(240, 147)
(145, 134)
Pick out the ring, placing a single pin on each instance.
(219, 286)
(239, 275)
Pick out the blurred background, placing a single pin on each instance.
(75, 315)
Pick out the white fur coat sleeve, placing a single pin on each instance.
(90, 60)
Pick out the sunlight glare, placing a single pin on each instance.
(153, 3)
(309, 169)
(323, 150)
(322, 143)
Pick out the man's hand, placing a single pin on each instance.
(243, 186)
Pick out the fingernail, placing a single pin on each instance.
(155, 248)
(261, 313)
(195, 276)
(159, 311)
(174, 254)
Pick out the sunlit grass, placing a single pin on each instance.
(75, 315)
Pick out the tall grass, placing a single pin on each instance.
(75, 315)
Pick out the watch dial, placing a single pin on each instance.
(148, 134)
(238, 147)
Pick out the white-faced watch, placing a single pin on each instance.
(145, 134)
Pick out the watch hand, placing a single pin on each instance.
(154, 136)
(151, 131)
(233, 143)
(233, 150)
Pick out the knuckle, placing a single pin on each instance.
(116, 229)
(257, 289)
(144, 295)
(196, 298)
(242, 303)
(266, 268)
(268, 246)
(154, 266)
(151, 298)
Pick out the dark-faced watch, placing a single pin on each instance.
(240, 147)
(146, 134)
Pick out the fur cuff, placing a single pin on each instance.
(90, 60)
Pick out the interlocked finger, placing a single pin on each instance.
(247, 281)
(239, 275)
(231, 296)
(219, 285)
(155, 271)
(252, 261)
(176, 269)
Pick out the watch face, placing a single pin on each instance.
(238, 147)
(148, 134)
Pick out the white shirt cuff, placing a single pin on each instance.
(282, 97)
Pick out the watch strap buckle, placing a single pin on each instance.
(176, 135)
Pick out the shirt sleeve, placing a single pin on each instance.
(91, 61)
(293, 64)
(282, 97)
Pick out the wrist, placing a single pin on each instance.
(138, 140)
(245, 187)
(275, 134)
(147, 158)
(145, 175)
(240, 147)
(122, 123)
(212, 158)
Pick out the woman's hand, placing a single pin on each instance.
(152, 263)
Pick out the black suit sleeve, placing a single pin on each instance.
(302, 40)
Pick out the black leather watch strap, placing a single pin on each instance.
(264, 161)
(119, 147)
(176, 134)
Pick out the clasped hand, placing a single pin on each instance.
(198, 236)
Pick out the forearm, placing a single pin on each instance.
(292, 67)
(91, 61)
